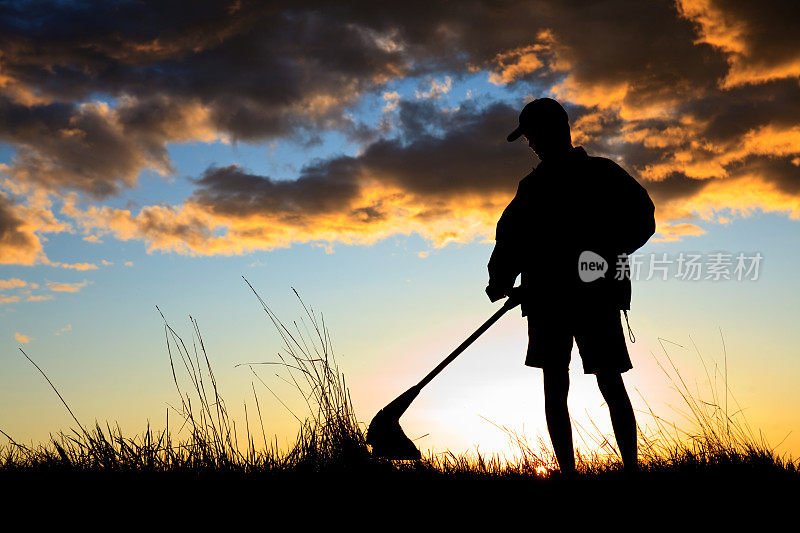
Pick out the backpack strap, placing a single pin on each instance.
(630, 331)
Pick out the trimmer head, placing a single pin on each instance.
(385, 434)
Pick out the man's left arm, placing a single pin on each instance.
(636, 213)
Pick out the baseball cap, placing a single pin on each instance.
(541, 112)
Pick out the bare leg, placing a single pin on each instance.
(622, 418)
(556, 389)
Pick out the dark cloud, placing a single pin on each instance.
(642, 45)
(784, 172)
(470, 157)
(674, 187)
(733, 113)
(715, 133)
(770, 27)
(18, 244)
(760, 38)
(266, 69)
(318, 190)
(260, 68)
(246, 70)
(438, 157)
(85, 147)
(684, 93)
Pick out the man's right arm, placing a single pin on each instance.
(504, 265)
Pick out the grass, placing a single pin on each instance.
(331, 439)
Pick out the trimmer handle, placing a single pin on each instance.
(513, 300)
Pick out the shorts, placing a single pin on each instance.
(597, 332)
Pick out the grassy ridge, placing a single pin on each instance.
(331, 440)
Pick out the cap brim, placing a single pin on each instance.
(514, 135)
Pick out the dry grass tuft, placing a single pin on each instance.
(331, 439)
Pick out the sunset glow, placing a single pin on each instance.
(358, 154)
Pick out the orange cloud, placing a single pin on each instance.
(39, 298)
(74, 266)
(715, 26)
(376, 213)
(667, 232)
(66, 287)
(516, 63)
(375, 208)
(12, 283)
(22, 224)
(707, 159)
(19, 244)
(634, 85)
(587, 127)
(546, 54)
(24, 339)
(736, 34)
(596, 94)
(742, 196)
(392, 99)
(719, 200)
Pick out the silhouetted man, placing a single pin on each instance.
(568, 231)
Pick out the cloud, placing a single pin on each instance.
(519, 62)
(26, 294)
(695, 98)
(92, 147)
(22, 225)
(74, 266)
(744, 195)
(392, 100)
(259, 72)
(411, 183)
(23, 339)
(39, 297)
(436, 89)
(65, 329)
(252, 73)
(66, 287)
(21, 229)
(18, 242)
(446, 176)
(761, 44)
(12, 283)
(668, 232)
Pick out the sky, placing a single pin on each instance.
(153, 155)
